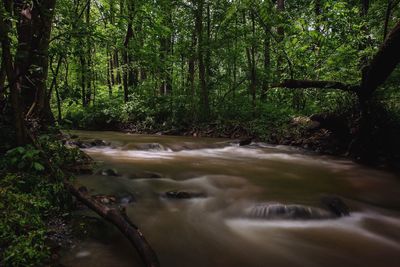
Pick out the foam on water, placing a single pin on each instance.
(351, 224)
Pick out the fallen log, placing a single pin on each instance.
(122, 222)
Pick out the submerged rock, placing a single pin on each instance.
(126, 199)
(336, 208)
(150, 146)
(280, 211)
(87, 143)
(245, 142)
(145, 174)
(109, 172)
(98, 142)
(335, 205)
(183, 195)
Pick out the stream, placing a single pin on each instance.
(215, 228)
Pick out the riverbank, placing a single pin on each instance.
(336, 134)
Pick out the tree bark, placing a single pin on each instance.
(3, 76)
(54, 85)
(89, 74)
(204, 102)
(34, 27)
(267, 62)
(109, 74)
(128, 37)
(13, 81)
(280, 6)
(382, 64)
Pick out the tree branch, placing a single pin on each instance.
(383, 63)
(328, 85)
(120, 220)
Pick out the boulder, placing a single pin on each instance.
(335, 205)
(246, 141)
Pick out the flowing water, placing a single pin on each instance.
(215, 229)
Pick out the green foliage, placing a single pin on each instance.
(30, 195)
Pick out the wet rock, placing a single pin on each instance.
(146, 174)
(245, 142)
(127, 199)
(98, 142)
(151, 146)
(109, 172)
(335, 205)
(183, 195)
(280, 211)
(74, 136)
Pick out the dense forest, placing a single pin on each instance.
(317, 74)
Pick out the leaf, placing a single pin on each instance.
(38, 167)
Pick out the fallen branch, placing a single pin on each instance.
(305, 84)
(122, 222)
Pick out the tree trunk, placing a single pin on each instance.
(83, 80)
(117, 67)
(166, 50)
(3, 76)
(281, 35)
(129, 35)
(34, 28)
(109, 74)
(191, 66)
(204, 102)
(55, 86)
(13, 81)
(267, 61)
(89, 74)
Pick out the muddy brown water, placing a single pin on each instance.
(214, 230)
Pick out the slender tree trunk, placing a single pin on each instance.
(281, 35)
(83, 80)
(267, 61)
(3, 75)
(110, 76)
(253, 65)
(54, 85)
(208, 49)
(129, 35)
(204, 102)
(89, 74)
(166, 51)
(191, 66)
(117, 67)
